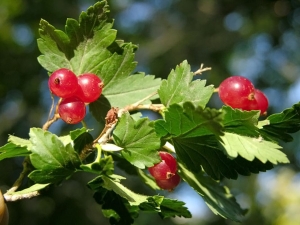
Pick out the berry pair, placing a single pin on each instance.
(75, 93)
(238, 92)
(165, 172)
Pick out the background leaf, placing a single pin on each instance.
(139, 140)
(180, 88)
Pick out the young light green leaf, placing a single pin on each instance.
(139, 140)
(19, 141)
(180, 88)
(217, 197)
(250, 148)
(11, 150)
(281, 125)
(50, 157)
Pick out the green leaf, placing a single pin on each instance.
(100, 166)
(187, 121)
(139, 140)
(217, 197)
(250, 148)
(11, 150)
(240, 122)
(50, 157)
(120, 87)
(172, 207)
(180, 88)
(115, 207)
(33, 188)
(19, 141)
(281, 125)
(81, 41)
(122, 205)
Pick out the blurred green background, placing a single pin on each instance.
(256, 39)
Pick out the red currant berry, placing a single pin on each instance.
(164, 169)
(260, 102)
(71, 110)
(237, 92)
(90, 87)
(169, 184)
(63, 83)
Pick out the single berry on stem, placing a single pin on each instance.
(237, 92)
(169, 184)
(72, 110)
(164, 169)
(63, 83)
(90, 87)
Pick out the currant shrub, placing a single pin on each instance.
(237, 92)
(63, 83)
(72, 110)
(164, 169)
(90, 87)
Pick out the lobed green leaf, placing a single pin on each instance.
(180, 87)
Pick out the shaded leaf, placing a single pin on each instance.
(217, 197)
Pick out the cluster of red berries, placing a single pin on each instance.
(165, 172)
(75, 92)
(238, 92)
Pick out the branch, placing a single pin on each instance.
(201, 69)
(13, 198)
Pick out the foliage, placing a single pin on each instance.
(210, 144)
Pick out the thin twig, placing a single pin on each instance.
(201, 69)
(26, 170)
(12, 198)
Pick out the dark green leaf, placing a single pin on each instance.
(139, 140)
(217, 197)
(180, 88)
(172, 207)
(281, 125)
(50, 157)
(101, 166)
(114, 207)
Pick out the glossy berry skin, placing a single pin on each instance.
(260, 102)
(63, 83)
(169, 184)
(90, 87)
(237, 92)
(164, 169)
(71, 110)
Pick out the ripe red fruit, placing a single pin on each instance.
(260, 102)
(164, 169)
(90, 87)
(169, 184)
(237, 92)
(63, 83)
(71, 110)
